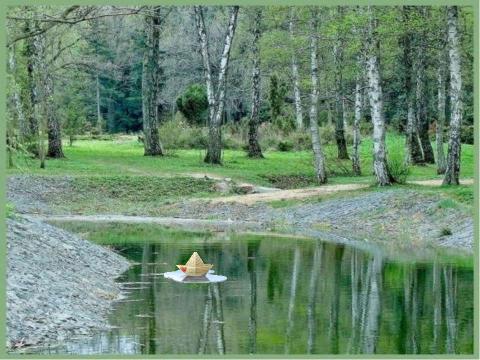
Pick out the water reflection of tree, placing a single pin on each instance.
(148, 335)
(252, 251)
(291, 303)
(312, 296)
(335, 301)
(450, 278)
(370, 322)
(366, 276)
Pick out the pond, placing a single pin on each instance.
(282, 296)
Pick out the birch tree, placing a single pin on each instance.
(215, 95)
(376, 103)
(413, 146)
(356, 123)
(151, 82)
(44, 90)
(454, 146)
(295, 74)
(318, 157)
(339, 95)
(421, 89)
(254, 150)
(441, 100)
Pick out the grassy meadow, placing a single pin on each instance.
(124, 156)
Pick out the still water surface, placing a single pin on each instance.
(283, 296)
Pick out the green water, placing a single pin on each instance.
(282, 296)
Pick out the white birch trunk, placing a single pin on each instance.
(216, 97)
(454, 146)
(356, 127)
(376, 103)
(295, 74)
(254, 150)
(319, 158)
(441, 162)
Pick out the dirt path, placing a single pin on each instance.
(438, 182)
(302, 193)
(288, 194)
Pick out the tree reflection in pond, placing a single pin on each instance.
(339, 300)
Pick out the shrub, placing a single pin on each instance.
(366, 128)
(9, 210)
(194, 104)
(467, 134)
(285, 145)
(445, 231)
(327, 134)
(177, 134)
(398, 168)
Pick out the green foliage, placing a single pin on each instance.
(467, 134)
(447, 204)
(178, 134)
(277, 92)
(140, 188)
(9, 210)
(193, 104)
(123, 155)
(285, 145)
(446, 231)
(398, 168)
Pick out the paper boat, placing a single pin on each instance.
(195, 266)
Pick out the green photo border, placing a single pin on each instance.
(3, 247)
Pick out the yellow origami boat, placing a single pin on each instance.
(195, 266)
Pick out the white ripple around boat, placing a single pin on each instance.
(181, 277)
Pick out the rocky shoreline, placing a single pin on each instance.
(58, 285)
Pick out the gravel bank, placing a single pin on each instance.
(58, 284)
(406, 218)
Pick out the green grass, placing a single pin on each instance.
(9, 210)
(124, 156)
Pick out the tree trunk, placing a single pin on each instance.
(339, 109)
(356, 128)
(44, 90)
(376, 103)
(441, 76)
(29, 98)
(216, 99)
(295, 75)
(319, 159)
(413, 147)
(421, 89)
(454, 146)
(254, 150)
(151, 82)
(99, 113)
(18, 113)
